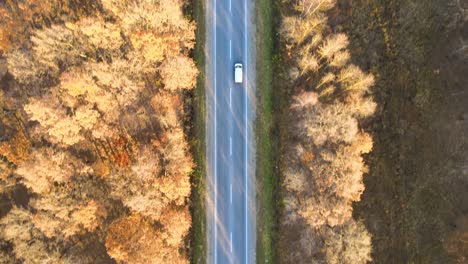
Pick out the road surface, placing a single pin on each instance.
(231, 233)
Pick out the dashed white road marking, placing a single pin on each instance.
(231, 241)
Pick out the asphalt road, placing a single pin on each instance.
(231, 233)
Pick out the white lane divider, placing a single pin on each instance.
(231, 241)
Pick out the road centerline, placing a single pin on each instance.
(230, 239)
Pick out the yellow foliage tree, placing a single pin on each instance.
(60, 215)
(46, 166)
(54, 121)
(175, 231)
(28, 244)
(179, 73)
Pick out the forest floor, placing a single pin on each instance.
(415, 195)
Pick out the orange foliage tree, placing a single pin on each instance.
(132, 239)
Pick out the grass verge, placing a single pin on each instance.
(198, 232)
(267, 176)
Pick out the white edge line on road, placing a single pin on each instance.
(230, 6)
(215, 216)
(246, 133)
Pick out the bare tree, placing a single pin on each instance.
(58, 45)
(312, 6)
(330, 123)
(23, 67)
(350, 243)
(333, 44)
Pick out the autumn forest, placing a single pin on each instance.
(99, 161)
(95, 163)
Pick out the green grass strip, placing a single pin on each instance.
(198, 232)
(266, 147)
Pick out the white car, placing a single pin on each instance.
(238, 73)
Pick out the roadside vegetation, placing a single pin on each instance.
(95, 164)
(266, 138)
(322, 141)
